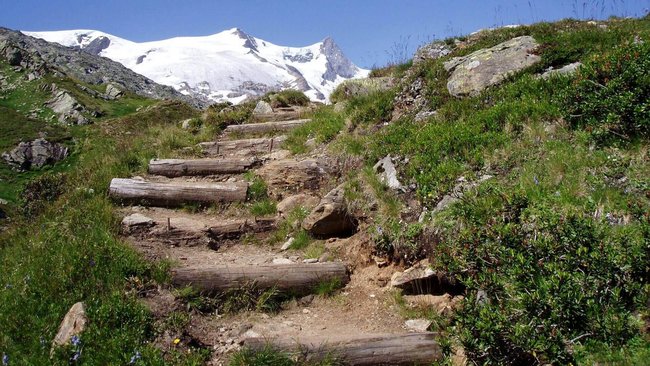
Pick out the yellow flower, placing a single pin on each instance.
(177, 341)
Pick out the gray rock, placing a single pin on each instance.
(424, 115)
(564, 70)
(186, 124)
(421, 279)
(458, 192)
(136, 221)
(262, 107)
(35, 154)
(67, 107)
(282, 261)
(417, 325)
(113, 92)
(431, 51)
(330, 218)
(473, 73)
(310, 260)
(287, 244)
(73, 324)
(387, 173)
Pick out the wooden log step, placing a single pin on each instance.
(394, 349)
(298, 278)
(265, 126)
(234, 229)
(174, 194)
(245, 147)
(182, 167)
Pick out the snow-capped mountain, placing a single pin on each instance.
(227, 66)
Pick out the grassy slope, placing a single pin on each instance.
(562, 281)
(72, 251)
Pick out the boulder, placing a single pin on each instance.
(473, 73)
(292, 175)
(67, 107)
(569, 69)
(35, 154)
(431, 51)
(73, 324)
(262, 107)
(421, 279)
(113, 92)
(387, 173)
(330, 218)
(303, 200)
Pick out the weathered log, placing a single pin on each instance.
(182, 167)
(265, 126)
(394, 349)
(246, 147)
(236, 228)
(173, 194)
(297, 278)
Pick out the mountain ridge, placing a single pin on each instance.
(230, 65)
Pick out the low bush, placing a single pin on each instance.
(286, 98)
(610, 95)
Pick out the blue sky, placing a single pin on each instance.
(370, 32)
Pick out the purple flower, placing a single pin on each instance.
(92, 262)
(536, 180)
(75, 341)
(136, 356)
(5, 359)
(75, 356)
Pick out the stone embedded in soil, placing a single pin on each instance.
(387, 173)
(136, 221)
(331, 217)
(417, 325)
(287, 244)
(421, 279)
(282, 261)
(290, 203)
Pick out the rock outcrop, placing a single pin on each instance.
(431, 51)
(331, 217)
(262, 107)
(473, 73)
(35, 154)
(37, 55)
(387, 173)
(564, 70)
(67, 107)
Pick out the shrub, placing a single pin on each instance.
(40, 191)
(371, 109)
(220, 115)
(611, 94)
(287, 98)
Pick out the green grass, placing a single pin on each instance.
(325, 124)
(263, 208)
(72, 252)
(301, 240)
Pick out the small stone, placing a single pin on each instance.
(310, 260)
(387, 173)
(306, 301)
(282, 261)
(287, 244)
(325, 257)
(186, 124)
(417, 325)
(306, 311)
(137, 220)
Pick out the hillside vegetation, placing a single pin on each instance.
(550, 238)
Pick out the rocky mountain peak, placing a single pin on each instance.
(337, 63)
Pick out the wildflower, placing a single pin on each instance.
(536, 180)
(5, 359)
(75, 356)
(136, 356)
(75, 341)
(177, 341)
(92, 262)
